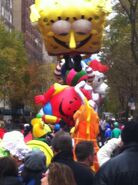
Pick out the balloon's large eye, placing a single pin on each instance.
(61, 27)
(82, 26)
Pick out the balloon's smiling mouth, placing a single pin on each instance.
(66, 45)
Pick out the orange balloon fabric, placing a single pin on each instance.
(87, 128)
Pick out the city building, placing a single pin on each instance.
(21, 22)
(15, 16)
(6, 13)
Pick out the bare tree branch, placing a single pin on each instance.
(124, 7)
(131, 12)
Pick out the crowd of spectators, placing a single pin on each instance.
(71, 165)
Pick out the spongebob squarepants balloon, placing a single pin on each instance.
(70, 26)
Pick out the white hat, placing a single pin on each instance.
(14, 142)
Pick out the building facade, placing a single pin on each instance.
(21, 21)
(6, 13)
(15, 15)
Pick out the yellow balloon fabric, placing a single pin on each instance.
(35, 144)
(39, 128)
(69, 26)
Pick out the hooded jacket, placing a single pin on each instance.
(120, 170)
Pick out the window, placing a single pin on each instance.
(10, 19)
(2, 11)
(9, 3)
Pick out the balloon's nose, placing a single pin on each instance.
(72, 42)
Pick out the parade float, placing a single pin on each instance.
(73, 30)
(70, 28)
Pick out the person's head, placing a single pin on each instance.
(116, 125)
(8, 167)
(60, 174)
(130, 132)
(35, 161)
(84, 152)
(57, 128)
(62, 142)
(107, 126)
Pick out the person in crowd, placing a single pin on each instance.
(108, 132)
(26, 129)
(84, 152)
(116, 132)
(107, 151)
(34, 167)
(9, 172)
(58, 174)
(102, 130)
(9, 125)
(13, 142)
(123, 168)
(63, 153)
(121, 126)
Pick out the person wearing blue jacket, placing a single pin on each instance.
(108, 132)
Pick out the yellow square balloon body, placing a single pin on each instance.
(70, 27)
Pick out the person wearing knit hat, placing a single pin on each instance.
(35, 160)
(34, 167)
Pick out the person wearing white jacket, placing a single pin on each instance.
(105, 153)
